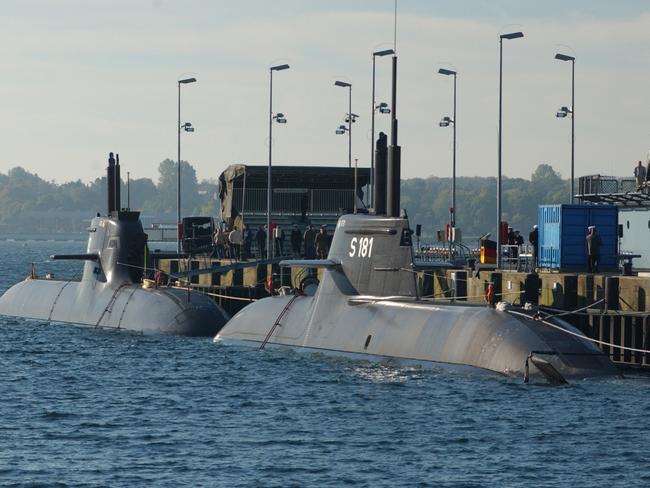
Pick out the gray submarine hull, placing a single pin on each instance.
(128, 307)
(110, 293)
(367, 307)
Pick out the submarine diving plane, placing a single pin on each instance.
(110, 293)
(367, 306)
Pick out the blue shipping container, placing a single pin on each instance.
(563, 232)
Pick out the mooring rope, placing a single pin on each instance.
(581, 336)
(198, 290)
(576, 311)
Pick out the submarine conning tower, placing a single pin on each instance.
(116, 251)
(375, 250)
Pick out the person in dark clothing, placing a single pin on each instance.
(296, 240)
(593, 250)
(639, 175)
(321, 242)
(260, 238)
(533, 238)
(309, 238)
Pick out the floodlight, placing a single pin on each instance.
(444, 71)
(512, 35)
(279, 67)
(187, 80)
(342, 83)
(385, 52)
(564, 57)
(382, 107)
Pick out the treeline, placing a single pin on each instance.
(29, 204)
(427, 201)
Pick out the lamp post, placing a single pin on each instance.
(564, 111)
(349, 119)
(445, 122)
(280, 118)
(512, 35)
(188, 128)
(383, 109)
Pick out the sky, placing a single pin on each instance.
(84, 77)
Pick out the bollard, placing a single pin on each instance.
(532, 285)
(570, 292)
(611, 292)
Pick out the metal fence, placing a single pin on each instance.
(597, 184)
(293, 202)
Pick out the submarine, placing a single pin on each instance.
(366, 306)
(110, 293)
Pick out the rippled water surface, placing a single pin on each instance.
(85, 407)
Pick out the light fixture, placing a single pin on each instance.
(446, 121)
(382, 108)
(444, 71)
(385, 52)
(347, 118)
(564, 57)
(512, 35)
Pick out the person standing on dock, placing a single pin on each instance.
(321, 242)
(640, 175)
(593, 249)
(533, 238)
(309, 238)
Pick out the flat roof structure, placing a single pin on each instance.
(611, 190)
(300, 194)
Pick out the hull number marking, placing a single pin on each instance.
(361, 247)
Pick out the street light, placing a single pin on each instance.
(564, 111)
(383, 108)
(512, 35)
(281, 120)
(445, 122)
(350, 118)
(188, 128)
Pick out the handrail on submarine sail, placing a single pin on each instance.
(277, 321)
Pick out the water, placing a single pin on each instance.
(84, 407)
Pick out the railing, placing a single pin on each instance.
(293, 202)
(598, 184)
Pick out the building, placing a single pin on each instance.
(633, 212)
(301, 195)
